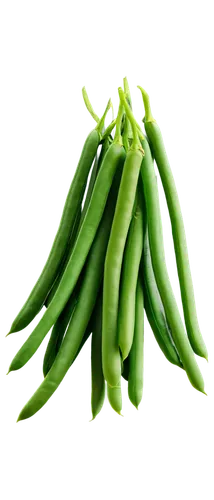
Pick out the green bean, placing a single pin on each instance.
(58, 332)
(114, 256)
(135, 380)
(87, 298)
(154, 307)
(178, 231)
(113, 263)
(161, 275)
(113, 160)
(88, 104)
(97, 378)
(130, 269)
(157, 325)
(35, 300)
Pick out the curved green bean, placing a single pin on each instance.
(178, 231)
(135, 380)
(97, 378)
(161, 275)
(154, 307)
(113, 264)
(131, 262)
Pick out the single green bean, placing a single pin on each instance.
(178, 231)
(154, 307)
(135, 380)
(161, 275)
(97, 378)
(114, 256)
(129, 277)
(113, 264)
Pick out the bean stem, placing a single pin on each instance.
(146, 102)
(88, 105)
(118, 137)
(136, 142)
(101, 123)
(108, 130)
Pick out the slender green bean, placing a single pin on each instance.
(135, 380)
(154, 307)
(178, 231)
(97, 378)
(113, 264)
(161, 275)
(129, 277)
(114, 256)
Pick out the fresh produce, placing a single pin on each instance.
(130, 270)
(154, 307)
(161, 275)
(74, 199)
(177, 230)
(92, 277)
(114, 257)
(107, 265)
(136, 374)
(98, 386)
(112, 161)
(58, 328)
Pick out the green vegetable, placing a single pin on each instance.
(114, 255)
(131, 263)
(36, 298)
(135, 377)
(154, 306)
(97, 378)
(58, 328)
(161, 275)
(178, 232)
(107, 266)
(81, 316)
(113, 160)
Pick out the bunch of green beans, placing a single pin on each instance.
(107, 266)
